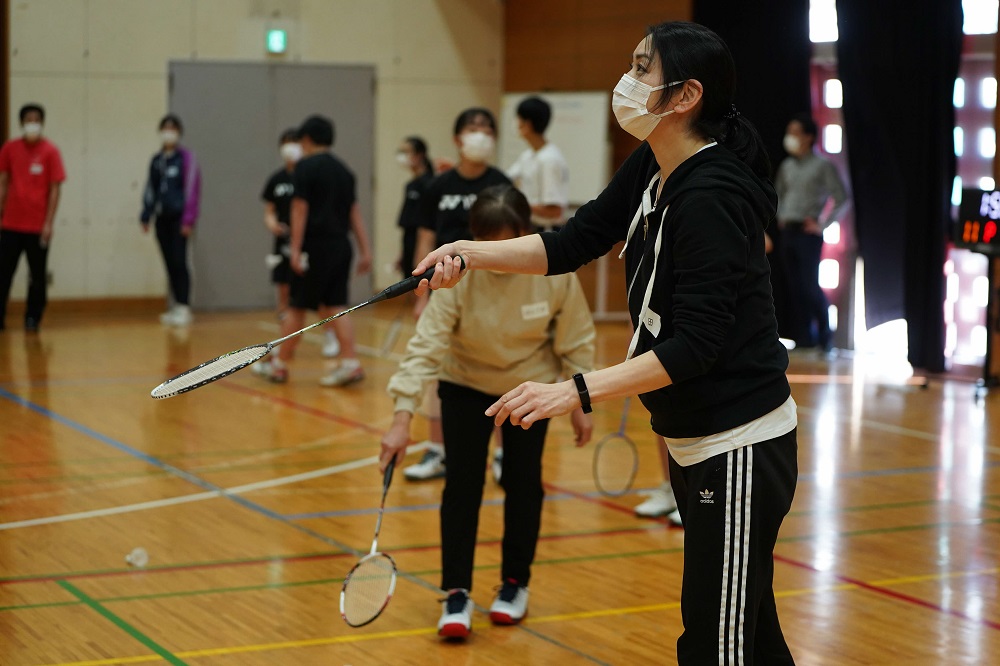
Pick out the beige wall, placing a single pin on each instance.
(99, 67)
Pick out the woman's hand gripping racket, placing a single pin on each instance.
(227, 364)
(370, 583)
(616, 460)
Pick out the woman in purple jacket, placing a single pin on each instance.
(171, 199)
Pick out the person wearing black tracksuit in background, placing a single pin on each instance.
(693, 202)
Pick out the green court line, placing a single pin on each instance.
(331, 581)
(122, 624)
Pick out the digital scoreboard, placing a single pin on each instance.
(978, 227)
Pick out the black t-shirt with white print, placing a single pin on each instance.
(327, 185)
(446, 203)
(279, 191)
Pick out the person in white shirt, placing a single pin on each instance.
(540, 172)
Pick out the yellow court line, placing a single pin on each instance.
(424, 631)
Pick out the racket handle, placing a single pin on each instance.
(387, 478)
(409, 284)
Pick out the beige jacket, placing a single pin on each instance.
(494, 331)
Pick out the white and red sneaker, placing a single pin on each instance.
(511, 604)
(456, 617)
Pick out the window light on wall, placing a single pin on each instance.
(988, 184)
(833, 94)
(831, 234)
(833, 139)
(829, 274)
(959, 141)
(823, 21)
(958, 97)
(956, 191)
(980, 16)
(987, 142)
(988, 92)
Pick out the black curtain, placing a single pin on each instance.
(770, 44)
(898, 61)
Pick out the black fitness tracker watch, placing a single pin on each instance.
(581, 388)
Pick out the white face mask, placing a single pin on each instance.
(629, 105)
(291, 152)
(169, 137)
(791, 144)
(32, 130)
(478, 146)
(403, 159)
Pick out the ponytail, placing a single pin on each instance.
(419, 146)
(741, 137)
(691, 51)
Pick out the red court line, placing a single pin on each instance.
(291, 404)
(618, 507)
(899, 596)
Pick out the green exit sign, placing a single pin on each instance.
(277, 41)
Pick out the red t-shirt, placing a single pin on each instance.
(31, 169)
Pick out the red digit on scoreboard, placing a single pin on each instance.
(990, 231)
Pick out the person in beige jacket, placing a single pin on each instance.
(491, 332)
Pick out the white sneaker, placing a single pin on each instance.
(343, 376)
(431, 466)
(675, 518)
(497, 465)
(331, 348)
(456, 616)
(179, 315)
(511, 604)
(659, 502)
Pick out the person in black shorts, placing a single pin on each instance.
(324, 211)
(412, 155)
(277, 198)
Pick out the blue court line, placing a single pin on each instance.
(253, 506)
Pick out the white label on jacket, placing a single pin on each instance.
(651, 321)
(35, 169)
(535, 310)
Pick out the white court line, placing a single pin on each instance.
(197, 497)
(213, 467)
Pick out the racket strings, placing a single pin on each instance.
(615, 465)
(368, 589)
(210, 371)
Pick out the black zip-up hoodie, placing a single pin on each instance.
(718, 337)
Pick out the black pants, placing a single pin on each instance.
(12, 244)
(808, 308)
(732, 505)
(406, 260)
(173, 246)
(466, 445)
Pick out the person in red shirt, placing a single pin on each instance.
(31, 171)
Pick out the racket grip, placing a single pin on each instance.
(410, 283)
(387, 477)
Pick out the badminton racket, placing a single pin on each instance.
(227, 364)
(369, 586)
(616, 460)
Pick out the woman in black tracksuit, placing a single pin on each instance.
(692, 202)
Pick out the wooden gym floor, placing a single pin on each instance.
(250, 497)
